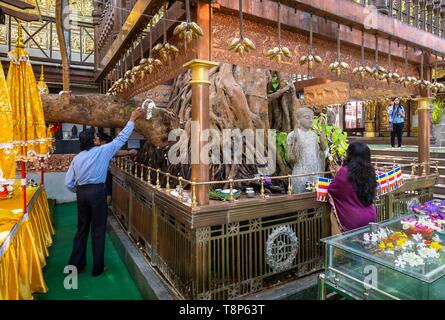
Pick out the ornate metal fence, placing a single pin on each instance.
(230, 249)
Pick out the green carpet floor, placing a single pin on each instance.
(115, 283)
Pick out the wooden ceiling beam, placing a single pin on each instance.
(299, 21)
(354, 15)
(28, 17)
(18, 4)
(135, 22)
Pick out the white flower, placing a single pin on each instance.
(412, 259)
(366, 237)
(400, 263)
(428, 253)
(408, 224)
(417, 237)
(382, 233)
(389, 251)
(436, 238)
(407, 245)
(9, 188)
(2, 189)
(374, 238)
(421, 245)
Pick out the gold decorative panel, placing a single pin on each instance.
(44, 42)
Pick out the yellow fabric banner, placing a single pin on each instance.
(24, 255)
(29, 127)
(7, 157)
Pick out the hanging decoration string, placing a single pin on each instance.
(241, 20)
(363, 48)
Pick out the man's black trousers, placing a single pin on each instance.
(91, 211)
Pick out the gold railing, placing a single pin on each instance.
(147, 174)
(142, 172)
(228, 252)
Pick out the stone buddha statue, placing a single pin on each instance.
(305, 152)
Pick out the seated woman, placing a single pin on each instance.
(352, 191)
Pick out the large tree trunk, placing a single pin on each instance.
(110, 112)
(238, 100)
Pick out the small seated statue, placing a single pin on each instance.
(305, 152)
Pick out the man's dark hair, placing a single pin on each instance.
(86, 139)
(104, 137)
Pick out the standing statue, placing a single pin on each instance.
(305, 152)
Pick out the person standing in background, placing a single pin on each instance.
(396, 115)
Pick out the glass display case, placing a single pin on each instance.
(399, 259)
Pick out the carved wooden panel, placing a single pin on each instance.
(336, 92)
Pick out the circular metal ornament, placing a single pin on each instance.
(281, 248)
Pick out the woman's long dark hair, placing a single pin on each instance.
(361, 172)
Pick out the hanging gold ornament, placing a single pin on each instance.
(150, 64)
(391, 76)
(41, 85)
(165, 50)
(241, 45)
(188, 30)
(378, 72)
(361, 69)
(338, 66)
(310, 59)
(279, 52)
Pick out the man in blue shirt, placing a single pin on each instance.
(396, 114)
(86, 177)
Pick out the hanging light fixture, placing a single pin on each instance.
(360, 70)
(151, 64)
(188, 30)
(279, 52)
(390, 76)
(407, 80)
(310, 59)
(422, 83)
(165, 50)
(436, 87)
(241, 45)
(378, 72)
(338, 66)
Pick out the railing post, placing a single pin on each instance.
(180, 191)
(424, 130)
(289, 185)
(231, 198)
(158, 184)
(167, 186)
(262, 195)
(194, 202)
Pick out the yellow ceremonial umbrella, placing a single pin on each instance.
(31, 140)
(7, 157)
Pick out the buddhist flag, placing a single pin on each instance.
(392, 183)
(382, 183)
(399, 176)
(322, 185)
